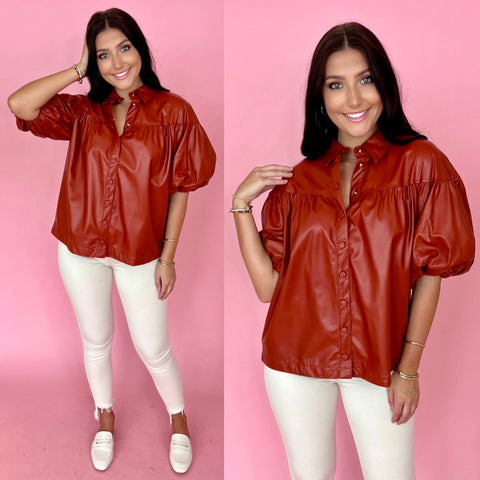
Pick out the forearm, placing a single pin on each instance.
(422, 310)
(259, 264)
(177, 208)
(27, 100)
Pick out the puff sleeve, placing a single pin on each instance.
(443, 242)
(274, 234)
(55, 120)
(193, 162)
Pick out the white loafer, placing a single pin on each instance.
(180, 453)
(102, 450)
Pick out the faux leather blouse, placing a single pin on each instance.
(114, 195)
(340, 308)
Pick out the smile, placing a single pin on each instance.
(357, 115)
(122, 75)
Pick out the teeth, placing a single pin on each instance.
(355, 115)
(119, 75)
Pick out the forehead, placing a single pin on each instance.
(345, 62)
(109, 38)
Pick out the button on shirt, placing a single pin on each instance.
(340, 307)
(114, 194)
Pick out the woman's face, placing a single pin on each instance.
(118, 61)
(351, 98)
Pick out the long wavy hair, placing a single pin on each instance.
(116, 18)
(319, 130)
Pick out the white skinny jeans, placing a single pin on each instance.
(305, 410)
(88, 282)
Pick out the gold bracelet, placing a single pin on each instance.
(406, 376)
(240, 198)
(414, 343)
(166, 264)
(170, 240)
(78, 72)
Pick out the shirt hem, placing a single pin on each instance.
(317, 371)
(88, 252)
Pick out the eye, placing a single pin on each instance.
(125, 48)
(102, 56)
(335, 85)
(366, 80)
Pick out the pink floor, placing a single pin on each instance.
(47, 426)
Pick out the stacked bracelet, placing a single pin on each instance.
(247, 209)
(406, 376)
(241, 210)
(170, 240)
(166, 264)
(414, 343)
(78, 72)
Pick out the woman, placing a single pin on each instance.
(355, 240)
(135, 151)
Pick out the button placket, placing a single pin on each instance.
(109, 189)
(346, 366)
(345, 326)
(359, 174)
(343, 273)
(132, 110)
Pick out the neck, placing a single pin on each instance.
(349, 156)
(125, 94)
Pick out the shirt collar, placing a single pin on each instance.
(144, 93)
(376, 147)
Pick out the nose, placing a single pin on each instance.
(116, 61)
(354, 97)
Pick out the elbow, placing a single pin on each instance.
(266, 288)
(264, 298)
(265, 293)
(18, 108)
(12, 104)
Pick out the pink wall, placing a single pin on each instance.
(267, 46)
(434, 47)
(38, 330)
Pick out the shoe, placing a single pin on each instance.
(102, 450)
(180, 453)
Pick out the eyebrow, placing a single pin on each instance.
(119, 45)
(339, 77)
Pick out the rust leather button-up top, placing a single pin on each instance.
(340, 307)
(114, 194)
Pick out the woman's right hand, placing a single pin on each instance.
(261, 179)
(259, 265)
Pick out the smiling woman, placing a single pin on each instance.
(355, 240)
(118, 61)
(121, 207)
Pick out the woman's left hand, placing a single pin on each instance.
(403, 397)
(164, 280)
(83, 63)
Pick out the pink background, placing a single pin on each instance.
(434, 48)
(45, 406)
(46, 421)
